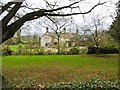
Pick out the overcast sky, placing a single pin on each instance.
(104, 10)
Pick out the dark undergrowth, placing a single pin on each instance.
(94, 84)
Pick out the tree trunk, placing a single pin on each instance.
(30, 48)
(119, 62)
(19, 37)
(97, 46)
(58, 47)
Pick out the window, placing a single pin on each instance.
(55, 43)
(46, 44)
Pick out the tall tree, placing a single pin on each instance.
(115, 33)
(58, 27)
(8, 30)
(115, 27)
(96, 29)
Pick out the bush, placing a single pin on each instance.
(6, 51)
(63, 52)
(37, 50)
(74, 51)
(94, 84)
(110, 50)
(106, 50)
(83, 51)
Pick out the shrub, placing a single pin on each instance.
(83, 51)
(111, 50)
(94, 84)
(74, 51)
(37, 51)
(6, 51)
(49, 52)
(106, 50)
(63, 52)
(21, 50)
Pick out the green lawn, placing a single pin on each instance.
(15, 47)
(34, 70)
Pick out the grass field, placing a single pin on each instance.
(34, 70)
(15, 47)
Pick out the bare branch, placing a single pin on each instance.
(7, 6)
(54, 14)
(62, 7)
(9, 30)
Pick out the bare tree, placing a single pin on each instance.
(58, 27)
(96, 29)
(8, 30)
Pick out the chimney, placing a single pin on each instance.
(77, 31)
(64, 30)
(47, 29)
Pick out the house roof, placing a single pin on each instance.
(67, 34)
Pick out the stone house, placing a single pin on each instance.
(67, 40)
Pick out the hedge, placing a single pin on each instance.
(106, 50)
(94, 84)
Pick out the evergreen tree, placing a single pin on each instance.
(115, 33)
(115, 27)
